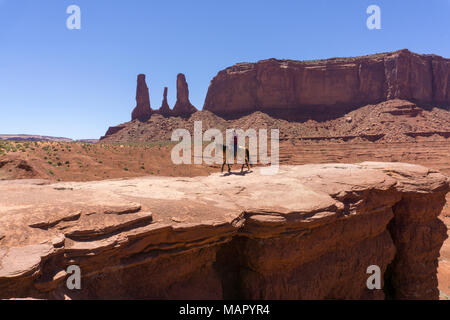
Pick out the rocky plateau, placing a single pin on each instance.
(310, 232)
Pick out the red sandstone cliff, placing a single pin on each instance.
(333, 85)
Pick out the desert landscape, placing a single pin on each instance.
(364, 179)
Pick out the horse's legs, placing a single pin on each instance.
(229, 168)
(242, 169)
(222, 167)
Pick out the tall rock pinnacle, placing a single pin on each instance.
(165, 109)
(143, 110)
(183, 107)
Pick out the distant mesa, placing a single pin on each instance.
(301, 90)
(143, 111)
(28, 137)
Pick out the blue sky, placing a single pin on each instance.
(76, 83)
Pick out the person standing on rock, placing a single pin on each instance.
(235, 143)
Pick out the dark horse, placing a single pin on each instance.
(227, 149)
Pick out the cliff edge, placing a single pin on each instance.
(310, 232)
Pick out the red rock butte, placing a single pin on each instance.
(302, 89)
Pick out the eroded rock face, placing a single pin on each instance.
(183, 106)
(165, 108)
(306, 89)
(112, 130)
(310, 232)
(142, 111)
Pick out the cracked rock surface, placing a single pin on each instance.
(308, 232)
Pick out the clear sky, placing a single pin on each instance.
(76, 83)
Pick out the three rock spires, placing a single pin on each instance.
(143, 110)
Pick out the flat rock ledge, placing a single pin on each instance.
(308, 232)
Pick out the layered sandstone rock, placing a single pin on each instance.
(309, 232)
(310, 88)
(142, 111)
(183, 107)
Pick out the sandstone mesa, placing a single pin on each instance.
(287, 87)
